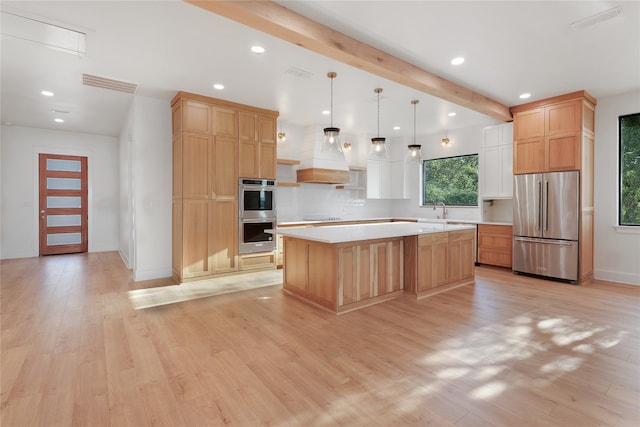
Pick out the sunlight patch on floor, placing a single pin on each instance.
(164, 295)
(485, 356)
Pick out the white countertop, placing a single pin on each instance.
(421, 220)
(356, 232)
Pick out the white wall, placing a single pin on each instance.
(20, 147)
(126, 232)
(145, 213)
(463, 141)
(617, 249)
(311, 201)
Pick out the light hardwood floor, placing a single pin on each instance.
(507, 351)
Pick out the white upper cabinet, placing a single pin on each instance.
(496, 162)
(385, 179)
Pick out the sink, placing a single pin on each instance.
(433, 220)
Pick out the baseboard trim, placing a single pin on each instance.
(617, 277)
(140, 275)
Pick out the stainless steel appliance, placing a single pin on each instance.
(546, 214)
(257, 217)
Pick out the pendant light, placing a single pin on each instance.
(378, 144)
(331, 134)
(446, 142)
(414, 154)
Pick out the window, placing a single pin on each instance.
(629, 128)
(451, 180)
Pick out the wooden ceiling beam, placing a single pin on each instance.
(278, 21)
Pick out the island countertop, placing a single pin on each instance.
(358, 232)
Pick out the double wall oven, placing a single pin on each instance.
(257, 215)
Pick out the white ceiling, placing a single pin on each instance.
(167, 46)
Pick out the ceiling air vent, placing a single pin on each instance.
(105, 83)
(297, 72)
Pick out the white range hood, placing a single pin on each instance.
(317, 166)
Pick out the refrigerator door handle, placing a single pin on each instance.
(539, 218)
(546, 205)
(544, 241)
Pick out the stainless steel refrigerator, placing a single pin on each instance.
(546, 224)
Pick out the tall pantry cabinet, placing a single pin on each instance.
(557, 134)
(205, 183)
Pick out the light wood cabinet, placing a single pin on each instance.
(258, 148)
(345, 276)
(566, 143)
(495, 244)
(207, 135)
(461, 255)
(433, 268)
(443, 261)
(548, 134)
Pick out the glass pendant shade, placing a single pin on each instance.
(378, 149)
(378, 144)
(413, 154)
(331, 140)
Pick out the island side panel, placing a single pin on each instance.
(296, 260)
(323, 283)
(411, 264)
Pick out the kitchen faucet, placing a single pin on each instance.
(444, 207)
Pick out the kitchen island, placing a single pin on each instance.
(346, 267)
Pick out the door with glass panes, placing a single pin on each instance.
(63, 204)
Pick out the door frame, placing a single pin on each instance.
(36, 191)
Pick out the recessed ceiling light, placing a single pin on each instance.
(257, 49)
(58, 120)
(326, 112)
(525, 95)
(451, 114)
(396, 128)
(47, 93)
(218, 86)
(457, 61)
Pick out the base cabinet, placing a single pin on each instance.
(347, 276)
(443, 261)
(495, 243)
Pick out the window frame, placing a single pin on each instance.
(424, 203)
(620, 170)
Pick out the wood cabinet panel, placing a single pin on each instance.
(529, 155)
(225, 122)
(267, 129)
(176, 166)
(223, 235)
(268, 165)
(196, 250)
(296, 263)
(433, 268)
(563, 117)
(563, 152)
(322, 281)
(257, 261)
(495, 243)
(461, 255)
(249, 149)
(176, 120)
(176, 238)
(258, 148)
(225, 175)
(196, 117)
(195, 165)
(529, 124)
